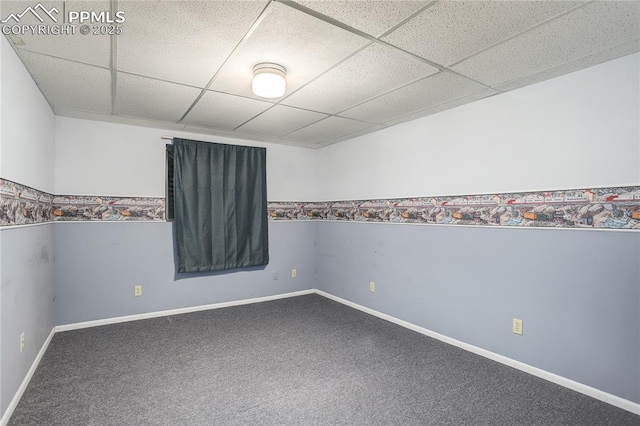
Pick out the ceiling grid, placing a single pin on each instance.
(113, 61)
(352, 67)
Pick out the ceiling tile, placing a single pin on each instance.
(422, 94)
(442, 107)
(169, 50)
(371, 17)
(242, 136)
(83, 87)
(595, 27)
(222, 111)
(154, 99)
(578, 64)
(351, 135)
(368, 73)
(182, 41)
(303, 45)
(326, 129)
(451, 30)
(225, 134)
(90, 49)
(281, 120)
(129, 121)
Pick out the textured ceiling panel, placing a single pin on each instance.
(423, 94)
(119, 119)
(305, 46)
(90, 49)
(578, 64)
(371, 17)
(592, 28)
(170, 50)
(154, 99)
(452, 30)
(370, 72)
(83, 87)
(351, 135)
(442, 107)
(225, 112)
(329, 128)
(281, 120)
(226, 134)
(182, 41)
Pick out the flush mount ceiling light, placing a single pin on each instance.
(268, 81)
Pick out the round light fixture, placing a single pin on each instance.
(268, 81)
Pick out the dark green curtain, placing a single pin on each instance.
(220, 206)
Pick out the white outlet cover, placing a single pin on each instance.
(517, 326)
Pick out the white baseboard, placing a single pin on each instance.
(156, 314)
(559, 380)
(23, 386)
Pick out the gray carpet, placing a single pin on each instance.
(300, 361)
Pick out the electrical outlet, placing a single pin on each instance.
(294, 273)
(517, 326)
(372, 287)
(22, 342)
(137, 291)
(275, 276)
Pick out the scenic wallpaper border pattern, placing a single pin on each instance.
(92, 208)
(610, 208)
(22, 205)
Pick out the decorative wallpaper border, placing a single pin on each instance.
(603, 208)
(610, 208)
(22, 205)
(96, 208)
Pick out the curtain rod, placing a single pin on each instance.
(166, 138)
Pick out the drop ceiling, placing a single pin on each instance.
(353, 67)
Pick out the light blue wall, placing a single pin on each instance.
(98, 264)
(578, 292)
(26, 301)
